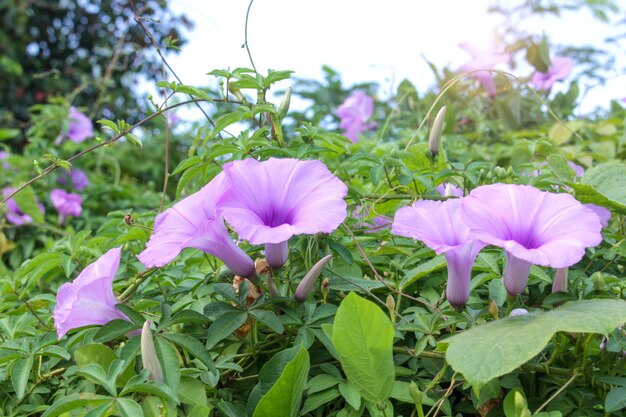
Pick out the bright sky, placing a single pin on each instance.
(365, 40)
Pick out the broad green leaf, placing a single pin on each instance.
(321, 382)
(94, 353)
(615, 399)
(20, 373)
(350, 394)
(225, 325)
(193, 346)
(156, 388)
(73, 401)
(604, 185)
(113, 330)
(497, 348)
(270, 319)
(318, 399)
(191, 391)
(562, 132)
(515, 404)
(363, 338)
(285, 397)
(129, 408)
(8, 133)
(168, 357)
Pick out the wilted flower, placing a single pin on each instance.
(439, 224)
(354, 113)
(268, 202)
(67, 204)
(80, 126)
(482, 61)
(89, 299)
(195, 223)
(447, 189)
(560, 68)
(77, 177)
(15, 215)
(533, 226)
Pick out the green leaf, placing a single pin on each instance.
(351, 394)
(26, 200)
(562, 132)
(269, 374)
(191, 391)
(318, 399)
(113, 330)
(129, 408)
(321, 382)
(285, 397)
(108, 125)
(604, 185)
(363, 338)
(515, 404)
(615, 399)
(20, 373)
(225, 325)
(508, 343)
(194, 91)
(8, 133)
(94, 353)
(193, 346)
(73, 401)
(156, 388)
(168, 357)
(269, 319)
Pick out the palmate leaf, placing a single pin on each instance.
(497, 348)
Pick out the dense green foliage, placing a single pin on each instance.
(376, 337)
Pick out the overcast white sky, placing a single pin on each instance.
(365, 40)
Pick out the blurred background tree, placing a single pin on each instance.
(90, 50)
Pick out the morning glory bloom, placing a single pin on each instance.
(77, 177)
(447, 189)
(483, 59)
(4, 155)
(195, 223)
(67, 204)
(89, 299)
(440, 225)
(15, 215)
(354, 113)
(268, 202)
(559, 69)
(533, 226)
(80, 126)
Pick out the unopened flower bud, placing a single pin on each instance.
(149, 357)
(560, 280)
(325, 288)
(308, 282)
(284, 104)
(274, 292)
(518, 312)
(391, 306)
(499, 172)
(493, 309)
(434, 140)
(598, 281)
(415, 394)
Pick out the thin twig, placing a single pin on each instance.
(139, 21)
(380, 278)
(560, 390)
(442, 399)
(35, 314)
(245, 34)
(54, 166)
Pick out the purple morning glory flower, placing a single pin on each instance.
(533, 226)
(15, 215)
(484, 60)
(559, 69)
(353, 114)
(4, 155)
(80, 126)
(76, 176)
(67, 204)
(89, 299)
(268, 202)
(448, 189)
(440, 225)
(194, 223)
